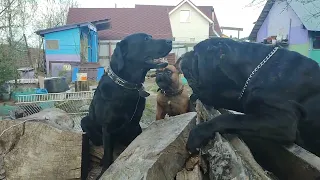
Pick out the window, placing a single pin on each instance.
(185, 16)
(316, 42)
(67, 67)
(192, 39)
(52, 44)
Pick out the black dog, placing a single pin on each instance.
(119, 99)
(277, 90)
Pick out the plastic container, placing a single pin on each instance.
(24, 92)
(56, 85)
(41, 91)
(29, 92)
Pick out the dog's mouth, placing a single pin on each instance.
(157, 63)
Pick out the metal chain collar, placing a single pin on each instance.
(256, 69)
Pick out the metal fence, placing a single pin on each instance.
(76, 104)
(106, 47)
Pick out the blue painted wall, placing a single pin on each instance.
(93, 53)
(92, 44)
(69, 41)
(69, 49)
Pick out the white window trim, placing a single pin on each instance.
(189, 19)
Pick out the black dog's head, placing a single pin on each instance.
(210, 71)
(140, 51)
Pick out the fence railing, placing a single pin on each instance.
(75, 104)
(36, 98)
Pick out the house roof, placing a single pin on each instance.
(206, 10)
(263, 15)
(99, 24)
(151, 19)
(125, 21)
(216, 27)
(306, 12)
(194, 7)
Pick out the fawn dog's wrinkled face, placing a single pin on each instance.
(167, 77)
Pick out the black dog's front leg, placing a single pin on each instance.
(275, 123)
(108, 144)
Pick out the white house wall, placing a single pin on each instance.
(197, 28)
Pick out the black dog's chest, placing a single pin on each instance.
(116, 105)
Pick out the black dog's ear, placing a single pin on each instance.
(195, 67)
(119, 53)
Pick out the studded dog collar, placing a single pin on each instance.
(256, 70)
(127, 85)
(171, 94)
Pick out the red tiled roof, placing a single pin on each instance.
(125, 21)
(216, 25)
(151, 19)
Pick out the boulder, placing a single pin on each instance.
(40, 146)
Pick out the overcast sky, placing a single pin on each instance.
(232, 13)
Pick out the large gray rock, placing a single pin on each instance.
(40, 146)
(158, 153)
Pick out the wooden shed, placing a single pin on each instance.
(68, 46)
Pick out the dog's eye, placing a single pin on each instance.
(148, 38)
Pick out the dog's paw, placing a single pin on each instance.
(195, 141)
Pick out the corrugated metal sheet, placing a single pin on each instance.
(308, 12)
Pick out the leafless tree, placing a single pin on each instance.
(315, 13)
(19, 19)
(15, 17)
(52, 13)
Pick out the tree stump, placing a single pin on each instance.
(82, 86)
(40, 146)
(229, 158)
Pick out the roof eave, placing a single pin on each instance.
(262, 17)
(101, 24)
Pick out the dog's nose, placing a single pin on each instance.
(169, 42)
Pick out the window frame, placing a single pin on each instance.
(48, 47)
(189, 18)
(316, 38)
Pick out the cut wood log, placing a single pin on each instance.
(228, 158)
(156, 154)
(81, 86)
(41, 146)
(194, 169)
(286, 162)
(55, 117)
(194, 174)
